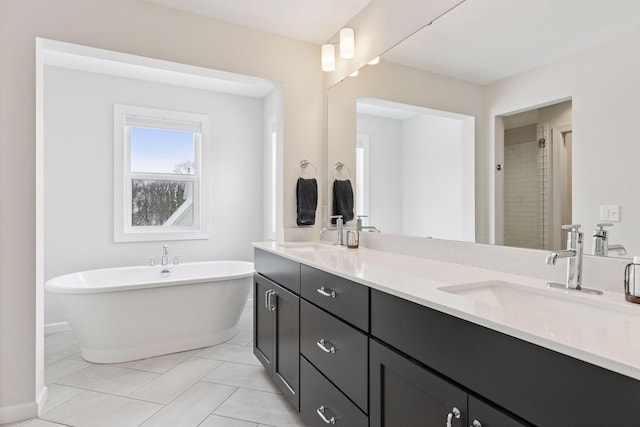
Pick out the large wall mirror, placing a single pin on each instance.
(498, 123)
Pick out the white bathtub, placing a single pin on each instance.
(130, 313)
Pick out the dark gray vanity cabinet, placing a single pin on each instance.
(347, 354)
(276, 331)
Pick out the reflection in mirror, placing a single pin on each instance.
(537, 177)
(415, 170)
(492, 59)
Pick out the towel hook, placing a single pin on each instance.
(304, 163)
(338, 167)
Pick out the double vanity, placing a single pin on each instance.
(362, 337)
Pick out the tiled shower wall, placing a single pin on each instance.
(526, 188)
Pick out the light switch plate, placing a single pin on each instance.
(610, 213)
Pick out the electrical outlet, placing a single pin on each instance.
(610, 213)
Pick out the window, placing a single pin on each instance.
(159, 176)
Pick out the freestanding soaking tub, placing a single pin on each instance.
(129, 313)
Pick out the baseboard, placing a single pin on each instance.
(41, 400)
(15, 413)
(51, 328)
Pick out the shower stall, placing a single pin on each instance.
(537, 185)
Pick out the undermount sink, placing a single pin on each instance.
(309, 246)
(548, 305)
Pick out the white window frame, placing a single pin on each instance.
(271, 150)
(127, 116)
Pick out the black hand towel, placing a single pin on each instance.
(342, 200)
(307, 197)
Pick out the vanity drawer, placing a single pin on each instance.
(281, 270)
(346, 299)
(341, 355)
(319, 398)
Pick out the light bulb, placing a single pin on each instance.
(328, 57)
(347, 43)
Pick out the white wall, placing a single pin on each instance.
(79, 168)
(432, 177)
(138, 28)
(604, 87)
(385, 179)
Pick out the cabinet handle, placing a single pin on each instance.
(323, 345)
(320, 412)
(455, 413)
(266, 298)
(476, 423)
(326, 292)
(271, 307)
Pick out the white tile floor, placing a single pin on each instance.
(219, 386)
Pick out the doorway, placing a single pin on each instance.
(537, 177)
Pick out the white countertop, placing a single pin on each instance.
(613, 344)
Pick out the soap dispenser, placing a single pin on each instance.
(632, 281)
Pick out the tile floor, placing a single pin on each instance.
(219, 386)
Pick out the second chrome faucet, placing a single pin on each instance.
(338, 228)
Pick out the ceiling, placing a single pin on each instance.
(308, 20)
(483, 41)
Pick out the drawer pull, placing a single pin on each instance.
(320, 412)
(476, 423)
(455, 413)
(323, 345)
(326, 292)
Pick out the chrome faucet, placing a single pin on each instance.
(165, 255)
(339, 228)
(360, 227)
(601, 246)
(573, 253)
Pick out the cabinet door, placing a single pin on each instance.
(405, 394)
(262, 322)
(484, 415)
(286, 330)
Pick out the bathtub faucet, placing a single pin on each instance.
(165, 255)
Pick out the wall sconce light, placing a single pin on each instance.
(347, 49)
(355, 73)
(328, 57)
(374, 61)
(347, 43)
